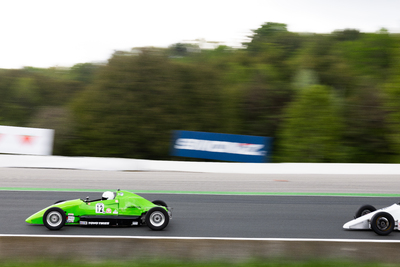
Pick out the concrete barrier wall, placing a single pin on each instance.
(91, 248)
(118, 164)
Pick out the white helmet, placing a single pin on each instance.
(107, 195)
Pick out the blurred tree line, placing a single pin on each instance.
(322, 97)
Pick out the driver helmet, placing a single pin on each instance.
(107, 195)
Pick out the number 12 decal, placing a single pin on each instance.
(99, 208)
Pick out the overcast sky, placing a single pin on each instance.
(46, 33)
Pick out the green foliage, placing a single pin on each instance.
(265, 35)
(322, 97)
(392, 109)
(84, 72)
(305, 78)
(313, 128)
(367, 128)
(137, 102)
(369, 55)
(59, 119)
(262, 101)
(347, 35)
(11, 112)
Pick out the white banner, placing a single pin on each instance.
(27, 141)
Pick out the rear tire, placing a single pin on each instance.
(160, 203)
(54, 218)
(382, 223)
(157, 218)
(363, 210)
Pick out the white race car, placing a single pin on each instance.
(382, 221)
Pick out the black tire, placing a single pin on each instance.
(160, 203)
(382, 223)
(365, 209)
(54, 218)
(59, 201)
(157, 218)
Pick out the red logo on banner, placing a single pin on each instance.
(27, 139)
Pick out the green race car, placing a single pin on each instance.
(120, 208)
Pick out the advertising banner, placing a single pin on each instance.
(26, 141)
(227, 147)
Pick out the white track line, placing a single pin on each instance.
(210, 238)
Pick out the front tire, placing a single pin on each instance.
(157, 218)
(54, 218)
(382, 223)
(363, 210)
(159, 203)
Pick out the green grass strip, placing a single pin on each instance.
(194, 263)
(204, 192)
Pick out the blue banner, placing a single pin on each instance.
(226, 147)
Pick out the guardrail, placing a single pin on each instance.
(98, 248)
(120, 164)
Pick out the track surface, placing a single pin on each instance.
(211, 216)
(207, 215)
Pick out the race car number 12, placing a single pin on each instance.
(99, 208)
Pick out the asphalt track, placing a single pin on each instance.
(223, 206)
(210, 216)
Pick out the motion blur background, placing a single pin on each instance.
(322, 97)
